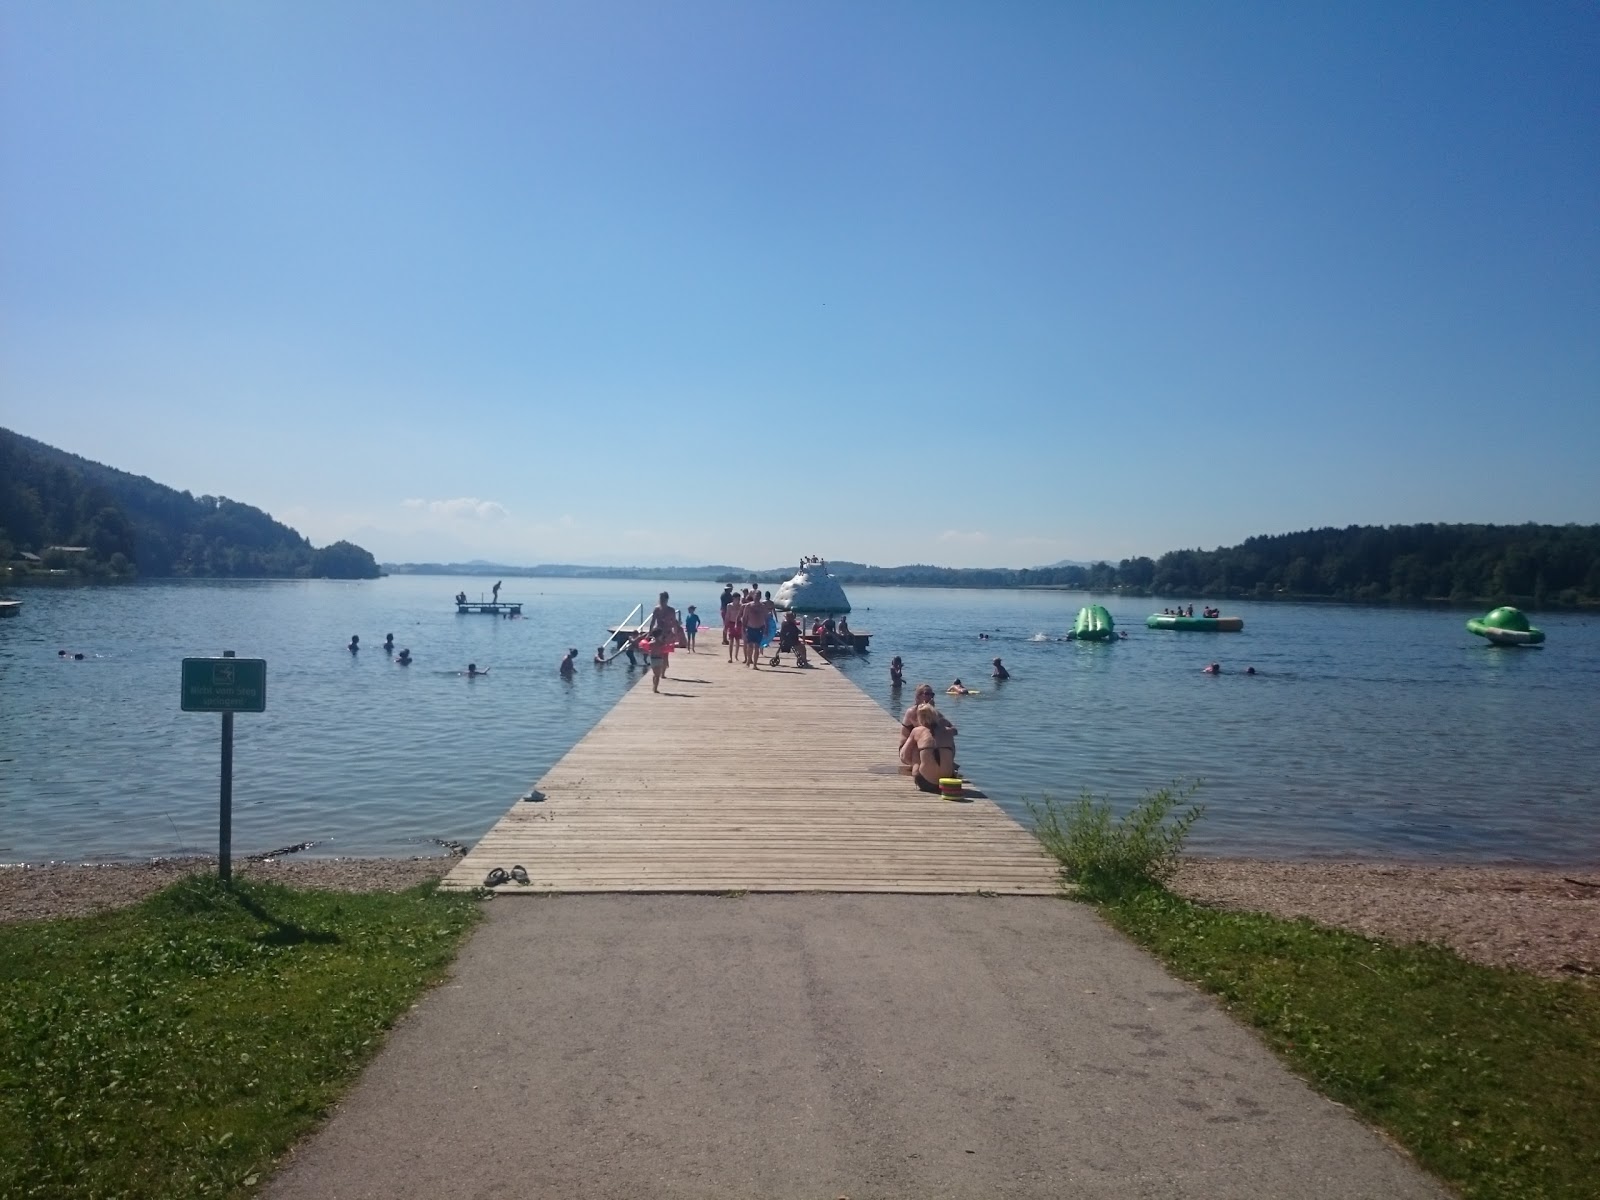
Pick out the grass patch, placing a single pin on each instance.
(1488, 1076)
(176, 1048)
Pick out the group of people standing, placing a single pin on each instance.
(747, 628)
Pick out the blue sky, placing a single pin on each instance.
(959, 283)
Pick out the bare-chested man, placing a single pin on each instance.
(756, 611)
(665, 630)
(733, 625)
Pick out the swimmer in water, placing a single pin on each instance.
(405, 658)
(1000, 671)
(388, 643)
(1249, 670)
(958, 688)
(472, 671)
(1213, 669)
(897, 670)
(600, 659)
(569, 664)
(355, 642)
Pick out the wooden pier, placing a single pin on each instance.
(777, 780)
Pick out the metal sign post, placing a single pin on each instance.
(226, 685)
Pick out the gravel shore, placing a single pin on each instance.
(1542, 920)
(29, 893)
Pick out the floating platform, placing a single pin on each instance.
(1194, 624)
(853, 642)
(494, 608)
(10, 608)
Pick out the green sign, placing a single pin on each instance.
(224, 685)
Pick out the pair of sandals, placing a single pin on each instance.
(500, 876)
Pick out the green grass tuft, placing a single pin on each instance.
(177, 1048)
(1108, 856)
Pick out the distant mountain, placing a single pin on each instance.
(83, 516)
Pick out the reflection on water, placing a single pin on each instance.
(1366, 731)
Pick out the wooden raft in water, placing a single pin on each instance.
(778, 780)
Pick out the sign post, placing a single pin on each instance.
(226, 685)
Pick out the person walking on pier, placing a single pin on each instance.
(733, 623)
(691, 626)
(665, 630)
(756, 611)
(726, 599)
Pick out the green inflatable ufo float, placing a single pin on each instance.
(1506, 627)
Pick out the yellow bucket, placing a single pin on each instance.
(950, 789)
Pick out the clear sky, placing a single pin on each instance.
(973, 284)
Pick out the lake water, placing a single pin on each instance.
(1367, 732)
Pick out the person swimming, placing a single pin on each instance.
(569, 664)
(958, 688)
(472, 671)
(600, 658)
(404, 658)
(1213, 669)
(355, 642)
(1000, 671)
(388, 643)
(897, 669)
(1249, 670)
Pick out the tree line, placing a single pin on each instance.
(1535, 566)
(129, 525)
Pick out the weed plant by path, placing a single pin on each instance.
(177, 1048)
(1488, 1076)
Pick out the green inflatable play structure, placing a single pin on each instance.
(1506, 627)
(1194, 624)
(1094, 624)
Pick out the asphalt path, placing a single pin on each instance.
(827, 1046)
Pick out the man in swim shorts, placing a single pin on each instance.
(755, 628)
(733, 624)
(665, 630)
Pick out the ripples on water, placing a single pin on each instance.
(1367, 732)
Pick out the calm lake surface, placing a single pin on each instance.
(1368, 732)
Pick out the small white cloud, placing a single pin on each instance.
(463, 508)
(966, 536)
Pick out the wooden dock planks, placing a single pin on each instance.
(777, 780)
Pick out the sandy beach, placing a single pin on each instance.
(1544, 920)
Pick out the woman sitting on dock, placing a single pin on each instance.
(928, 760)
(908, 723)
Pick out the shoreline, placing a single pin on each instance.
(1545, 920)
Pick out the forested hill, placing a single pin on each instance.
(1538, 566)
(132, 525)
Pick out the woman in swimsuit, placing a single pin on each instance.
(930, 761)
